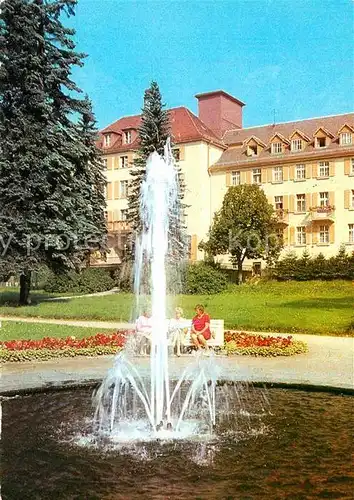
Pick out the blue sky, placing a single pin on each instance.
(292, 57)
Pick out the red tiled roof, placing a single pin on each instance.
(186, 127)
(266, 132)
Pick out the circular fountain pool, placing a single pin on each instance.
(298, 446)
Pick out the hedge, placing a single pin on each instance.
(90, 280)
(306, 268)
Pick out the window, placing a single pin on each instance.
(257, 176)
(300, 203)
(324, 199)
(352, 198)
(236, 178)
(105, 161)
(352, 165)
(301, 235)
(123, 189)
(252, 150)
(177, 155)
(346, 138)
(278, 202)
(324, 234)
(127, 137)
(296, 145)
(351, 233)
(280, 234)
(124, 214)
(107, 140)
(278, 174)
(123, 162)
(320, 142)
(323, 169)
(277, 147)
(300, 171)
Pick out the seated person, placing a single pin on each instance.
(177, 329)
(200, 331)
(143, 330)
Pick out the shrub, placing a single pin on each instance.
(90, 280)
(203, 279)
(305, 268)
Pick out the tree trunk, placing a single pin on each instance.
(239, 274)
(25, 286)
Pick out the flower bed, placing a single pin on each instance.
(262, 345)
(102, 344)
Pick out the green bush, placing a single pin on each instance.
(308, 268)
(90, 280)
(203, 279)
(296, 347)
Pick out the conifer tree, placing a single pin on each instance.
(51, 180)
(153, 133)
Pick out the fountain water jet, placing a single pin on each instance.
(124, 384)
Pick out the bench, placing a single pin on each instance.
(217, 332)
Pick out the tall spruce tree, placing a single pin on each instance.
(153, 133)
(51, 180)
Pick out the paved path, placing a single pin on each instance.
(329, 363)
(71, 322)
(96, 294)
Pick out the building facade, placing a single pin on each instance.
(306, 169)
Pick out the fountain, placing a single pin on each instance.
(164, 406)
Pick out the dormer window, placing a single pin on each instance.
(252, 150)
(107, 140)
(277, 147)
(322, 137)
(127, 137)
(320, 142)
(296, 145)
(346, 138)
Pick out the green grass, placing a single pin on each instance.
(316, 307)
(15, 330)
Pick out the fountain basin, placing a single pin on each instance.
(270, 444)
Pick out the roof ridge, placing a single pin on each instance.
(291, 121)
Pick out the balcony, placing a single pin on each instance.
(323, 213)
(282, 216)
(118, 226)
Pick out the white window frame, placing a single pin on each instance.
(296, 145)
(300, 171)
(277, 174)
(323, 169)
(324, 234)
(127, 136)
(277, 148)
(352, 193)
(107, 140)
(346, 138)
(105, 163)
(124, 214)
(123, 161)
(301, 235)
(123, 192)
(252, 150)
(279, 200)
(324, 199)
(257, 174)
(317, 142)
(236, 178)
(351, 233)
(301, 203)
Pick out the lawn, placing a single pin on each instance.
(316, 307)
(15, 330)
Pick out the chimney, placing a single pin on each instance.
(220, 111)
